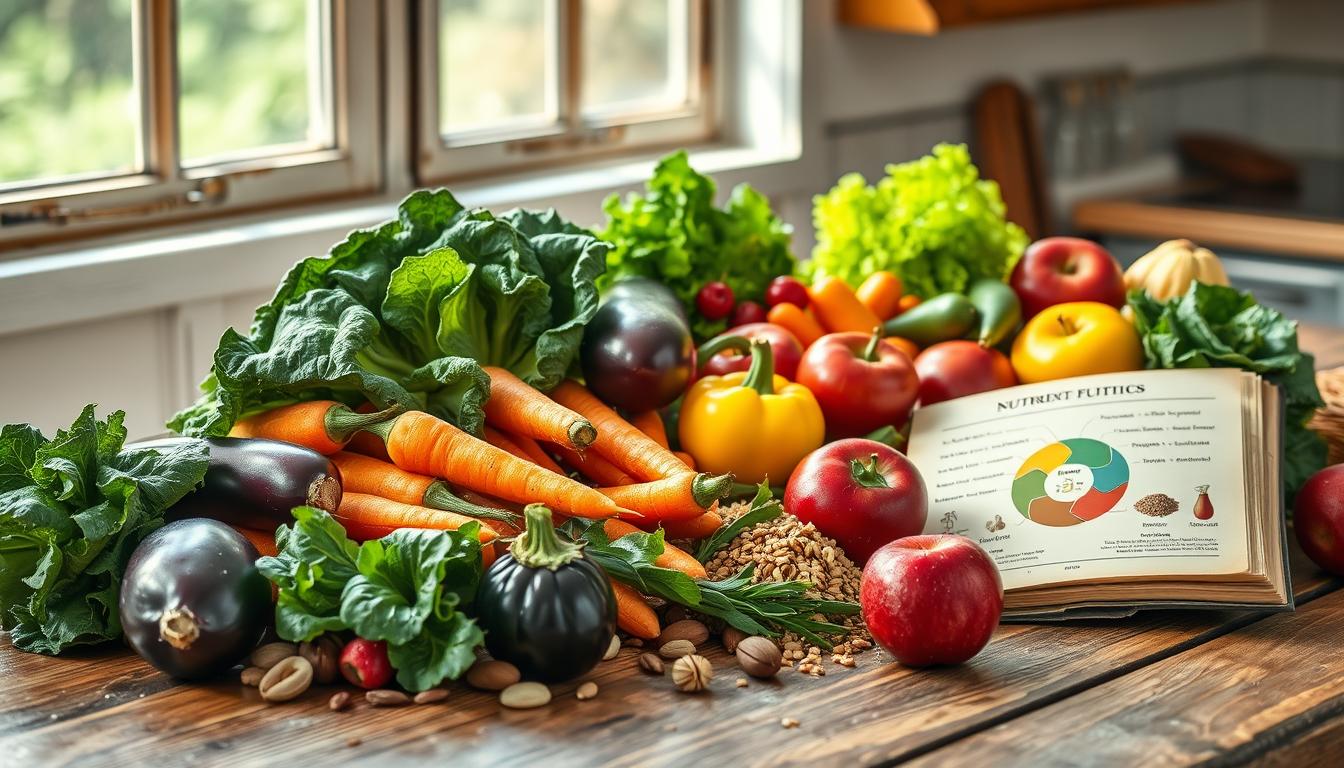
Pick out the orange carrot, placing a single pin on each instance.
(367, 443)
(695, 528)
(673, 557)
(633, 614)
(263, 541)
(422, 443)
(536, 453)
(323, 425)
(838, 308)
(365, 474)
(686, 459)
(881, 293)
(371, 513)
(504, 443)
(594, 467)
(679, 497)
(515, 406)
(907, 303)
(651, 424)
(794, 320)
(617, 441)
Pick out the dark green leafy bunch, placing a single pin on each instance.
(72, 510)
(409, 588)
(675, 234)
(767, 608)
(407, 312)
(1221, 327)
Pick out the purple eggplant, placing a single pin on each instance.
(636, 354)
(254, 483)
(193, 603)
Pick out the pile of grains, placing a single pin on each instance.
(785, 549)
(1157, 505)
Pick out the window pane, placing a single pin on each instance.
(495, 63)
(252, 75)
(68, 101)
(634, 54)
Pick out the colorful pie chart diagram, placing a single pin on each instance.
(1070, 482)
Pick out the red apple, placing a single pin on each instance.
(931, 599)
(1056, 270)
(951, 369)
(1318, 518)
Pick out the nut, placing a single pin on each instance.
(692, 673)
(686, 629)
(613, 648)
(386, 697)
(286, 680)
(338, 701)
(252, 676)
(759, 656)
(525, 696)
(731, 637)
(676, 649)
(742, 682)
(586, 691)
(788, 722)
(649, 662)
(674, 613)
(491, 675)
(324, 654)
(431, 696)
(270, 654)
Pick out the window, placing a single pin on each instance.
(520, 83)
(117, 113)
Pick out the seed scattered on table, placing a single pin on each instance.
(431, 696)
(788, 722)
(586, 691)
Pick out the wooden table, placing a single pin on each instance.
(1166, 687)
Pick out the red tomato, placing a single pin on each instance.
(715, 300)
(747, 312)
(786, 290)
(859, 492)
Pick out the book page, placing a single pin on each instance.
(1092, 478)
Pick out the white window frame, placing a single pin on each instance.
(165, 191)
(572, 136)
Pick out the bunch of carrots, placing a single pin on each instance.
(413, 470)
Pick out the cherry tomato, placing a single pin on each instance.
(747, 312)
(715, 301)
(786, 290)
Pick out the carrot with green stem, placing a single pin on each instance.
(518, 408)
(700, 527)
(536, 453)
(422, 443)
(322, 425)
(679, 497)
(366, 516)
(504, 442)
(365, 474)
(673, 557)
(594, 467)
(617, 440)
(651, 424)
(633, 613)
(686, 459)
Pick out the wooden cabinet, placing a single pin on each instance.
(927, 17)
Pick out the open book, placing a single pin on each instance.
(1100, 495)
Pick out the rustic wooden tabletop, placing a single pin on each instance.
(1165, 687)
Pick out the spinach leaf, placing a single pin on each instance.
(314, 563)
(72, 510)
(407, 312)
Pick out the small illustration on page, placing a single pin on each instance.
(1070, 482)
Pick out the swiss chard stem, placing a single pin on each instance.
(342, 423)
(761, 375)
(870, 351)
(538, 546)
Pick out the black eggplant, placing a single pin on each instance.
(192, 601)
(546, 608)
(638, 287)
(254, 483)
(637, 354)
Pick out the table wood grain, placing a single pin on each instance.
(1164, 687)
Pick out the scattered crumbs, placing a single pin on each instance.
(788, 722)
(741, 682)
(353, 741)
(52, 716)
(670, 727)
(107, 695)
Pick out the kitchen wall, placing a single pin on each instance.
(887, 98)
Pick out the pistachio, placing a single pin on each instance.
(586, 691)
(649, 662)
(676, 649)
(525, 696)
(270, 654)
(613, 648)
(731, 637)
(759, 656)
(290, 677)
(324, 654)
(692, 673)
(686, 629)
(385, 697)
(338, 701)
(492, 675)
(431, 696)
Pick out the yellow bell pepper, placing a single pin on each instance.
(752, 423)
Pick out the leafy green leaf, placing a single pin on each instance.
(932, 221)
(314, 563)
